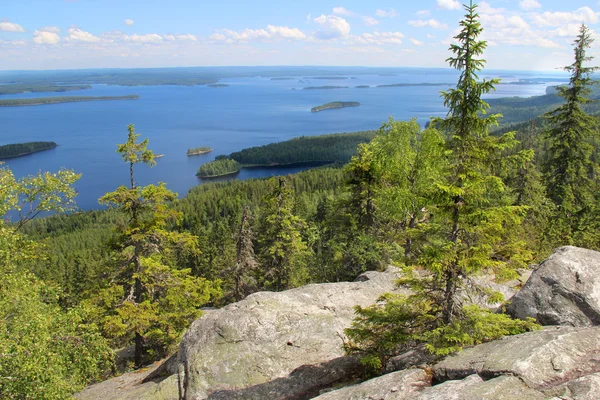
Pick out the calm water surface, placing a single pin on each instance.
(249, 112)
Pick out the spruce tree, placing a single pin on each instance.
(568, 169)
(245, 266)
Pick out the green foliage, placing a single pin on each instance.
(199, 150)
(148, 298)
(220, 167)
(569, 172)
(20, 149)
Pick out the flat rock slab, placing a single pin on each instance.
(541, 359)
(474, 388)
(564, 290)
(268, 335)
(402, 385)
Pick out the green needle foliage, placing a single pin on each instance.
(571, 179)
(149, 300)
(469, 224)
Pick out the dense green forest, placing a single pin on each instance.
(64, 99)
(335, 104)
(16, 88)
(324, 149)
(219, 167)
(445, 204)
(22, 149)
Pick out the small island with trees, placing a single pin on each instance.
(334, 105)
(64, 99)
(199, 150)
(23, 149)
(221, 166)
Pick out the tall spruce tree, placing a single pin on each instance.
(244, 270)
(568, 169)
(472, 231)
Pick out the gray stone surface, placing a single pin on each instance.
(541, 359)
(564, 290)
(402, 385)
(474, 388)
(268, 335)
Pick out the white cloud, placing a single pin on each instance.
(380, 38)
(430, 36)
(386, 13)
(272, 32)
(188, 37)
(46, 35)
(416, 42)
(148, 38)
(529, 4)
(332, 27)
(10, 27)
(77, 35)
(423, 13)
(560, 18)
(342, 11)
(370, 21)
(448, 4)
(486, 8)
(499, 21)
(128, 22)
(570, 30)
(428, 23)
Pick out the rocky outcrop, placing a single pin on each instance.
(267, 336)
(542, 359)
(564, 290)
(403, 385)
(475, 388)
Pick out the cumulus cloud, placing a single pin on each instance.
(448, 4)
(423, 13)
(46, 35)
(10, 27)
(560, 18)
(272, 32)
(342, 11)
(380, 38)
(486, 8)
(148, 38)
(529, 4)
(78, 35)
(416, 42)
(370, 21)
(128, 22)
(332, 27)
(186, 37)
(432, 23)
(386, 13)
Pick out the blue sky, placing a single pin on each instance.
(57, 34)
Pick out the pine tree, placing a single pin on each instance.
(149, 299)
(245, 264)
(569, 170)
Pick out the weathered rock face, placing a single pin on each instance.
(475, 388)
(564, 290)
(268, 335)
(542, 359)
(403, 385)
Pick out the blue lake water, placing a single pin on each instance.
(249, 112)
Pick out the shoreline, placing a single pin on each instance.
(27, 154)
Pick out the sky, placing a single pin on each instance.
(68, 34)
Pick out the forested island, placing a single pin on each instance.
(17, 88)
(217, 85)
(199, 150)
(334, 105)
(324, 87)
(23, 149)
(64, 99)
(320, 150)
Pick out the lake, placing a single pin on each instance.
(248, 112)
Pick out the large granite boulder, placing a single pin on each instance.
(475, 388)
(542, 359)
(269, 335)
(564, 290)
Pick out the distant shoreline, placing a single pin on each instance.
(35, 147)
(42, 101)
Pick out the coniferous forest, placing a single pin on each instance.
(470, 194)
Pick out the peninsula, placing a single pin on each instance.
(23, 149)
(17, 88)
(334, 105)
(199, 150)
(64, 99)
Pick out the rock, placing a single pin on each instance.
(268, 335)
(564, 290)
(584, 388)
(403, 385)
(474, 388)
(412, 358)
(541, 359)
